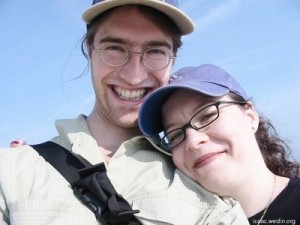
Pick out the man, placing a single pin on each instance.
(131, 46)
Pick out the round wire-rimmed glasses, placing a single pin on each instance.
(202, 118)
(154, 58)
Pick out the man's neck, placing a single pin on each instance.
(109, 137)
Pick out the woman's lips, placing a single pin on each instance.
(206, 159)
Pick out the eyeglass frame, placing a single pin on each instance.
(157, 140)
(129, 54)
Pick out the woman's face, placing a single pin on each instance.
(219, 155)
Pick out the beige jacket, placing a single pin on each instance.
(32, 192)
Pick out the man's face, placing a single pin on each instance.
(120, 90)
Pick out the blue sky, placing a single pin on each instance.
(257, 41)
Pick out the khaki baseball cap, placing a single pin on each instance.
(168, 7)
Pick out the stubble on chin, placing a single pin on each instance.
(119, 119)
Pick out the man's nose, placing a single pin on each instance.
(134, 71)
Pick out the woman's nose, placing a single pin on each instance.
(194, 139)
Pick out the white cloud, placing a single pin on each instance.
(220, 12)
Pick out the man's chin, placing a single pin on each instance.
(128, 123)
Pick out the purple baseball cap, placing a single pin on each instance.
(167, 7)
(206, 79)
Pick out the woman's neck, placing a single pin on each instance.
(259, 192)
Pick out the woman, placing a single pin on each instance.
(215, 136)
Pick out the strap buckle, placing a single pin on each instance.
(89, 200)
(95, 190)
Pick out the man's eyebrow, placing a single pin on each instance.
(125, 41)
(159, 43)
(112, 39)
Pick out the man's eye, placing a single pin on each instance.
(115, 48)
(156, 51)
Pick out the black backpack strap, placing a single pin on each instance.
(90, 184)
(61, 159)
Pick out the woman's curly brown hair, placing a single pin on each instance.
(274, 150)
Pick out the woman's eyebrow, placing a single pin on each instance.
(202, 105)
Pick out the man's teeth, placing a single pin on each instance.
(132, 95)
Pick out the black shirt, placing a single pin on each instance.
(285, 209)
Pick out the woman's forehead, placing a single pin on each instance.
(192, 99)
(191, 94)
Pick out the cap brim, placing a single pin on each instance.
(152, 125)
(183, 22)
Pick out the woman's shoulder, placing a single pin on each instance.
(289, 199)
(291, 191)
(295, 181)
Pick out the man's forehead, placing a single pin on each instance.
(132, 36)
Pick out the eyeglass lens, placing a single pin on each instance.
(117, 55)
(201, 119)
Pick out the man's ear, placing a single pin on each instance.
(251, 113)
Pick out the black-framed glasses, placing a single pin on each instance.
(202, 118)
(155, 58)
